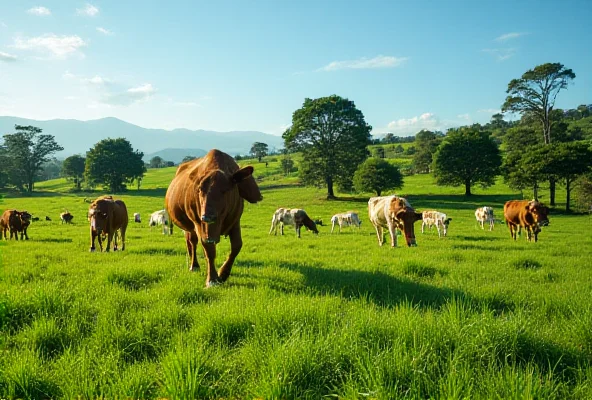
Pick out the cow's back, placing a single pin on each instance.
(515, 211)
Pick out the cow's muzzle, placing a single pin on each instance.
(411, 242)
(544, 223)
(208, 219)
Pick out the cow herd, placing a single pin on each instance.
(206, 200)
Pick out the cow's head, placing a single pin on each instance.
(310, 225)
(404, 217)
(98, 216)
(15, 219)
(445, 224)
(212, 190)
(539, 212)
(26, 217)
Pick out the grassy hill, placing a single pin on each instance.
(471, 315)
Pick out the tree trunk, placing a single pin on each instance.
(552, 191)
(467, 188)
(567, 194)
(330, 193)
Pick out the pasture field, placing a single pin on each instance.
(473, 315)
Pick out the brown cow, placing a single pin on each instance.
(530, 215)
(393, 212)
(25, 222)
(205, 199)
(10, 221)
(66, 217)
(106, 217)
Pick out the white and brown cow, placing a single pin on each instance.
(485, 214)
(348, 218)
(296, 217)
(440, 220)
(393, 212)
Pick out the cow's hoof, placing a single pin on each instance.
(92, 249)
(213, 284)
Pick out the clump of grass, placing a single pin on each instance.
(419, 269)
(134, 280)
(48, 338)
(526, 263)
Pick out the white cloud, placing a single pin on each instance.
(42, 11)
(508, 36)
(130, 96)
(104, 31)
(490, 111)
(365, 63)
(89, 10)
(415, 124)
(465, 117)
(501, 54)
(7, 57)
(58, 46)
(96, 80)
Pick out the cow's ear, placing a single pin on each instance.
(242, 173)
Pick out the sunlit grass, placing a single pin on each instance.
(471, 315)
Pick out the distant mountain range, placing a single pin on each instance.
(175, 155)
(77, 137)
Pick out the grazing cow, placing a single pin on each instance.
(137, 218)
(206, 200)
(25, 222)
(530, 215)
(47, 218)
(440, 220)
(10, 221)
(393, 212)
(348, 218)
(66, 217)
(107, 216)
(485, 214)
(295, 217)
(161, 218)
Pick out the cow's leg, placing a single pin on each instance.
(212, 278)
(282, 228)
(109, 240)
(273, 225)
(297, 227)
(513, 230)
(236, 243)
(191, 240)
(393, 232)
(422, 226)
(491, 225)
(26, 235)
(438, 228)
(379, 234)
(115, 246)
(122, 232)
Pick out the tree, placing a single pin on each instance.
(27, 150)
(333, 137)
(467, 156)
(169, 163)
(378, 152)
(156, 162)
(376, 175)
(287, 165)
(187, 158)
(73, 168)
(426, 143)
(113, 163)
(259, 150)
(534, 94)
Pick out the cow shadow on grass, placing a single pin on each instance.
(54, 240)
(376, 287)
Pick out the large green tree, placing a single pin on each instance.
(426, 143)
(73, 169)
(259, 150)
(377, 175)
(333, 137)
(26, 151)
(534, 94)
(467, 156)
(113, 163)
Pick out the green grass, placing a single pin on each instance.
(471, 315)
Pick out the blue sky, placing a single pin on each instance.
(247, 65)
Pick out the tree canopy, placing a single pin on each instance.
(259, 150)
(333, 137)
(426, 144)
(535, 93)
(156, 162)
(467, 156)
(25, 152)
(73, 168)
(113, 163)
(377, 175)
